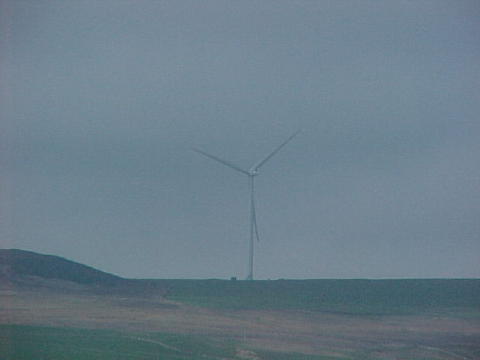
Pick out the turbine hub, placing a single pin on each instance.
(253, 172)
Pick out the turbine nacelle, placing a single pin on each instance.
(253, 172)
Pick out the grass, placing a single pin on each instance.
(48, 343)
(268, 355)
(460, 298)
(19, 342)
(353, 297)
(197, 346)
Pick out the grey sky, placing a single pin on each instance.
(101, 101)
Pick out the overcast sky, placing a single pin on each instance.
(101, 102)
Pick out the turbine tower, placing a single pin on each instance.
(251, 173)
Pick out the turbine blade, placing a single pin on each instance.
(253, 210)
(255, 222)
(224, 162)
(277, 149)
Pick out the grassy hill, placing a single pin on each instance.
(16, 263)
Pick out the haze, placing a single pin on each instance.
(101, 102)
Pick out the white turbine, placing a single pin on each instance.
(251, 173)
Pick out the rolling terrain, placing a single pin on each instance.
(64, 310)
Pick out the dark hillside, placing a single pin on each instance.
(20, 263)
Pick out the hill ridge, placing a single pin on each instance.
(17, 263)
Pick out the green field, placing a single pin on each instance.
(353, 297)
(49, 343)
(53, 343)
(350, 319)
(28, 343)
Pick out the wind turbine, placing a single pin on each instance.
(251, 173)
